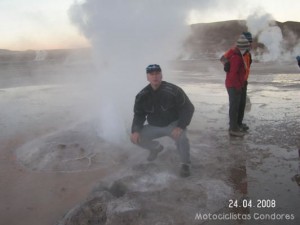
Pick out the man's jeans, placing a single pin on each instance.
(150, 132)
(234, 104)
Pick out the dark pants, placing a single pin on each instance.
(242, 104)
(234, 104)
(150, 132)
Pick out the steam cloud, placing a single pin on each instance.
(263, 26)
(127, 36)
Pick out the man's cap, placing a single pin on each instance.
(242, 43)
(153, 68)
(248, 35)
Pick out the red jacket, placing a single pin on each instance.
(236, 76)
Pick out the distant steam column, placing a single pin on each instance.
(40, 55)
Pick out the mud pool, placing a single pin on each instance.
(54, 165)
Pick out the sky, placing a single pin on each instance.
(38, 24)
(45, 24)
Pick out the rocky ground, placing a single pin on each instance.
(56, 170)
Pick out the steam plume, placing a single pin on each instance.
(127, 36)
(263, 26)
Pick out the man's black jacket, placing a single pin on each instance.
(161, 107)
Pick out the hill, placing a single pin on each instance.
(219, 36)
(204, 40)
(54, 55)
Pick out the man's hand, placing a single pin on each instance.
(135, 137)
(176, 132)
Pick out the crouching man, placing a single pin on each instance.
(168, 112)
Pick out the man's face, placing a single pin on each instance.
(154, 78)
(250, 47)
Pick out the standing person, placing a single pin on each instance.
(298, 60)
(235, 67)
(168, 112)
(248, 61)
